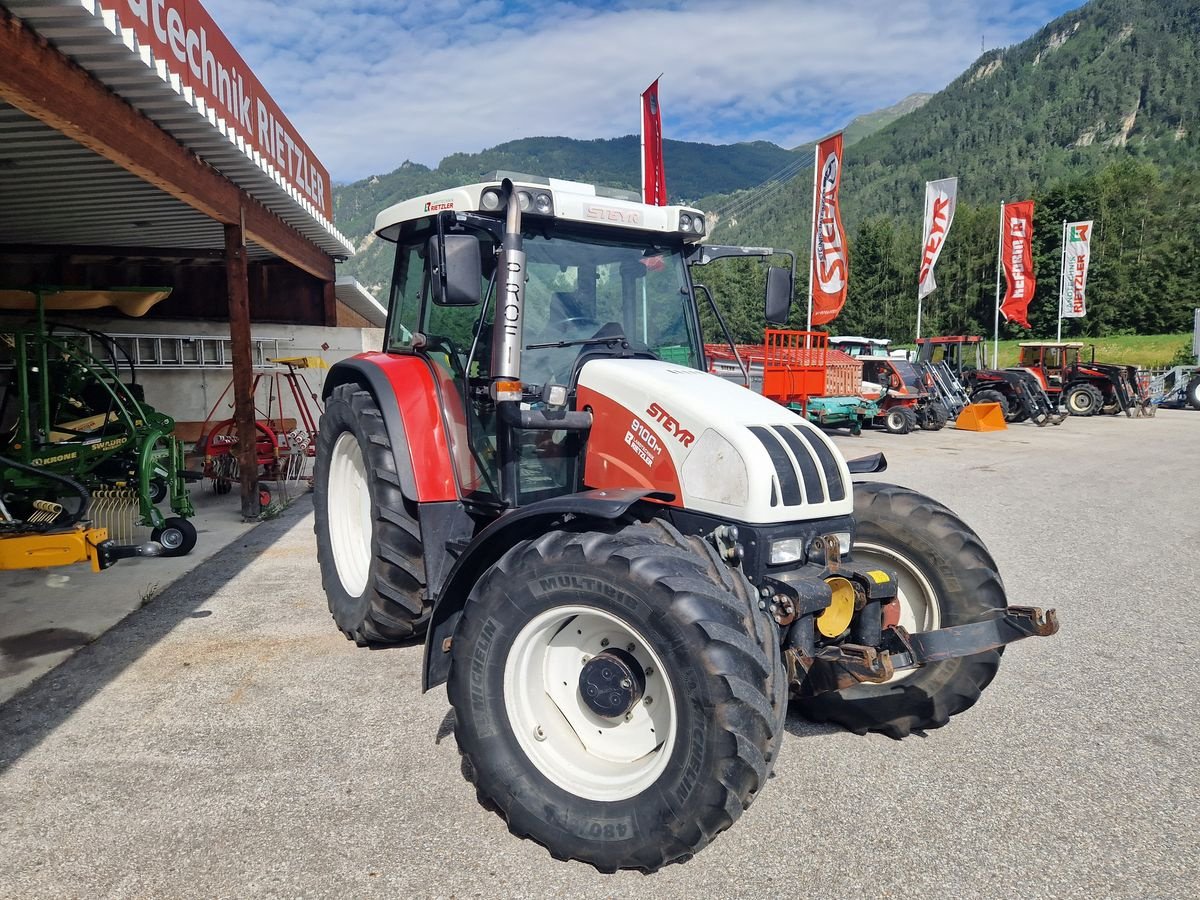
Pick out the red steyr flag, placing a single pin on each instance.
(654, 173)
(830, 265)
(1016, 243)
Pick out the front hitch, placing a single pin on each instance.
(841, 666)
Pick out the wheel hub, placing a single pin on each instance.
(611, 683)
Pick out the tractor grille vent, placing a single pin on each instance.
(799, 460)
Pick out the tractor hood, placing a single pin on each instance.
(717, 447)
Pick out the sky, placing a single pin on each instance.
(372, 83)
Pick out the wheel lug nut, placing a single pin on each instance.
(626, 683)
(604, 642)
(539, 734)
(631, 647)
(648, 700)
(649, 671)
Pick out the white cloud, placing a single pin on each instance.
(370, 83)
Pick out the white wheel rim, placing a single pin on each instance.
(581, 752)
(171, 538)
(919, 610)
(349, 506)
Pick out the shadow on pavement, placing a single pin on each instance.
(36, 711)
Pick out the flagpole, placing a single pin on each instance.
(999, 265)
(923, 221)
(642, 106)
(812, 249)
(1062, 278)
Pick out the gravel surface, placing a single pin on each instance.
(226, 741)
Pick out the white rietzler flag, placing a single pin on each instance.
(940, 199)
(1072, 304)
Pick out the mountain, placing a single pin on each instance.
(694, 171)
(1095, 116)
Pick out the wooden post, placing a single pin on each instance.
(243, 366)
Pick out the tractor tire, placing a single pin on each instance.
(946, 577)
(899, 420)
(1083, 400)
(1193, 393)
(177, 536)
(992, 397)
(659, 776)
(368, 535)
(936, 416)
(1016, 413)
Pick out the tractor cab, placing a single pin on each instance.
(601, 276)
(1048, 361)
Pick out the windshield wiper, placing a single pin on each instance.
(611, 339)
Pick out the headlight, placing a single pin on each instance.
(787, 550)
(543, 204)
(698, 224)
(490, 200)
(685, 222)
(525, 200)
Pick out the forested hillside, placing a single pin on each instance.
(694, 171)
(1094, 117)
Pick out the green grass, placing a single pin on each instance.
(1146, 350)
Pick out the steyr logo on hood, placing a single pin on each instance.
(671, 424)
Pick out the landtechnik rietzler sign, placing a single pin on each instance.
(184, 35)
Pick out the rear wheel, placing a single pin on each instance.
(1083, 400)
(368, 537)
(619, 696)
(992, 397)
(1193, 392)
(945, 577)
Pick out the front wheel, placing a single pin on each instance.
(945, 577)
(989, 396)
(899, 420)
(1084, 400)
(619, 696)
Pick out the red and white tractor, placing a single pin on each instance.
(620, 563)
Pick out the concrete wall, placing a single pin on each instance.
(189, 394)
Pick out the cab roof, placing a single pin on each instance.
(550, 198)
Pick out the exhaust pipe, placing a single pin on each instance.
(508, 333)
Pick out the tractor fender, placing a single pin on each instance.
(409, 400)
(497, 539)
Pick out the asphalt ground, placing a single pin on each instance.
(226, 741)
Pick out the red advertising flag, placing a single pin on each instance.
(654, 173)
(830, 264)
(1016, 252)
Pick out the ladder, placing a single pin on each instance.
(179, 351)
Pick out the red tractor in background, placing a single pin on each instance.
(1018, 392)
(1086, 388)
(622, 564)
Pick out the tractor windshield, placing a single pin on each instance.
(582, 288)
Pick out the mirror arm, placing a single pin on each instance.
(725, 329)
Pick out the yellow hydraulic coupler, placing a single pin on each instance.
(56, 548)
(836, 617)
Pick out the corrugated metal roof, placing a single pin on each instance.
(55, 191)
(94, 38)
(358, 298)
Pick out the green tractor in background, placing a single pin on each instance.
(69, 416)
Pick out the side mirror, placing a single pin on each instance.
(779, 295)
(455, 275)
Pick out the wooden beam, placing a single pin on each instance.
(243, 368)
(113, 251)
(44, 84)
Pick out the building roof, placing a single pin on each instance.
(350, 292)
(92, 34)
